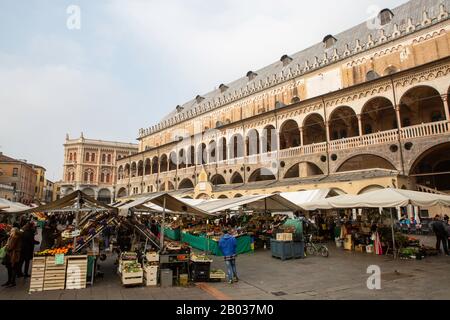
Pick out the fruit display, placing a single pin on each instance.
(128, 256)
(200, 258)
(132, 267)
(70, 233)
(51, 252)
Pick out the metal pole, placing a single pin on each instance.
(393, 235)
(161, 240)
(77, 220)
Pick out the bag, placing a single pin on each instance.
(3, 252)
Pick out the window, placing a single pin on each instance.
(75, 156)
(102, 177)
(371, 75)
(15, 172)
(329, 41)
(87, 156)
(70, 156)
(91, 177)
(109, 158)
(103, 158)
(86, 176)
(108, 178)
(385, 16)
(14, 185)
(93, 157)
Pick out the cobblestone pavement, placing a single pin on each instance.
(341, 276)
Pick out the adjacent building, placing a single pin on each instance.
(21, 176)
(39, 189)
(363, 109)
(6, 192)
(90, 166)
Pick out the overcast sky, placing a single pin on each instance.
(131, 62)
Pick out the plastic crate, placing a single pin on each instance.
(287, 249)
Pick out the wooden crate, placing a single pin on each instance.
(151, 276)
(37, 274)
(132, 278)
(55, 275)
(152, 256)
(76, 272)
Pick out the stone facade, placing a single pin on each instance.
(349, 104)
(90, 166)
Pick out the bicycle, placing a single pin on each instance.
(316, 249)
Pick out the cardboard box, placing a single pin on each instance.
(284, 236)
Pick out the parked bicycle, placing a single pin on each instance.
(316, 249)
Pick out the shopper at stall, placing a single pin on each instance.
(11, 260)
(228, 245)
(440, 230)
(49, 233)
(27, 249)
(154, 228)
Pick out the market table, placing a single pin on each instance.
(244, 243)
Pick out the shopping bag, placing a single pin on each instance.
(2, 253)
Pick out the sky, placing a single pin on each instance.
(124, 64)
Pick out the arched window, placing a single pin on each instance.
(91, 176)
(70, 156)
(108, 178)
(75, 156)
(102, 177)
(88, 156)
(103, 158)
(109, 158)
(93, 157)
(86, 176)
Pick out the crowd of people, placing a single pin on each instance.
(18, 250)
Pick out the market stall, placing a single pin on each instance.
(384, 201)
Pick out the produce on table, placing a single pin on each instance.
(51, 252)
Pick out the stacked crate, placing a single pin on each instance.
(37, 274)
(151, 275)
(76, 272)
(55, 274)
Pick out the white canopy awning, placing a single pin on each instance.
(304, 198)
(10, 206)
(272, 202)
(383, 198)
(172, 204)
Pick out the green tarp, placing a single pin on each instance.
(173, 234)
(244, 244)
(297, 224)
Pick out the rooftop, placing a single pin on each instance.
(405, 19)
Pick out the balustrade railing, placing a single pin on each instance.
(425, 129)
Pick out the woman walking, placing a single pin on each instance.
(12, 258)
(28, 242)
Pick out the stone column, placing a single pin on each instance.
(399, 119)
(327, 129)
(360, 125)
(301, 136)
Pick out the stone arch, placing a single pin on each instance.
(261, 174)
(140, 168)
(89, 192)
(236, 146)
(122, 193)
(236, 178)
(217, 179)
(170, 186)
(212, 151)
(69, 191)
(370, 188)
(191, 156)
(314, 130)
(155, 165)
(182, 159)
(432, 167)
(238, 195)
(203, 196)
(289, 134)
(147, 167)
(133, 169)
(173, 160)
(222, 149)
(421, 104)
(222, 196)
(303, 170)
(127, 170)
(163, 163)
(343, 123)
(252, 142)
(120, 173)
(104, 196)
(390, 70)
(202, 155)
(185, 184)
(365, 161)
(269, 139)
(378, 114)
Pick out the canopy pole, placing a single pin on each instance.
(77, 220)
(161, 240)
(393, 234)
